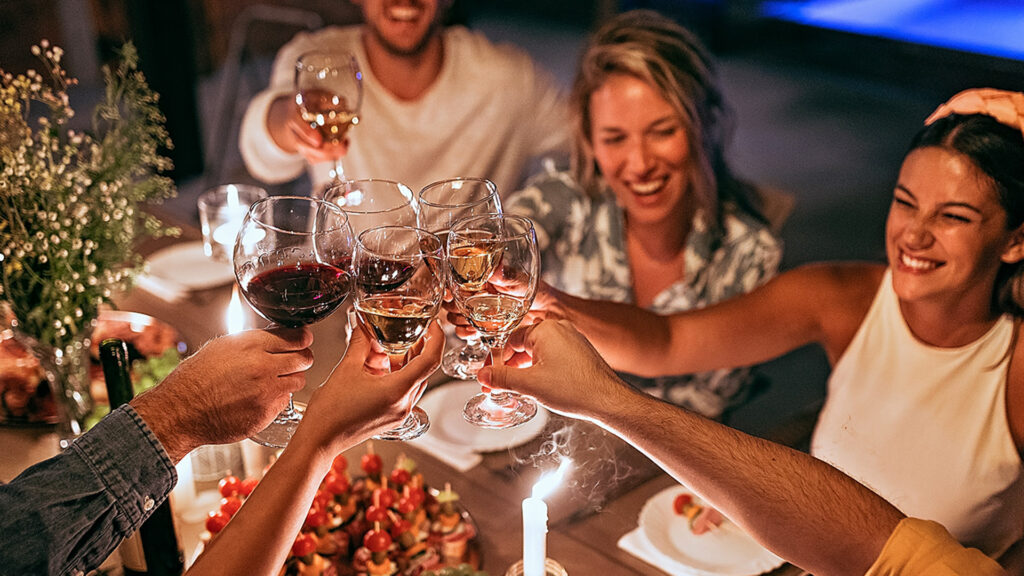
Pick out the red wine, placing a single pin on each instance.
(154, 549)
(298, 294)
(377, 275)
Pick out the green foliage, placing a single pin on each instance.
(71, 202)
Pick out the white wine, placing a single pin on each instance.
(494, 315)
(472, 264)
(397, 321)
(327, 113)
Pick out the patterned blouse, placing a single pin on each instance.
(583, 252)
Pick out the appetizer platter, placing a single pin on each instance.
(381, 523)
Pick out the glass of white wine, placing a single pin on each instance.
(329, 94)
(399, 287)
(441, 204)
(493, 266)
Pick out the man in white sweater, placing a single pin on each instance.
(438, 102)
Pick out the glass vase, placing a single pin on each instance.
(43, 384)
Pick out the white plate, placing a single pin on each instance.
(186, 265)
(444, 406)
(726, 551)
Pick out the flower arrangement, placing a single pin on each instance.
(70, 201)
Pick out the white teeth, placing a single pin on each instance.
(916, 263)
(403, 13)
(647, 187)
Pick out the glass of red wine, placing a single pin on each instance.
(292, 260)
(328, 94)
(399, 286)
(441, 204)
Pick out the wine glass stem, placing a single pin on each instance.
(499, 397)
(290, 410)
(338, 172)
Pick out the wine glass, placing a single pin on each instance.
(329, 93)
(399, 287)
(493, 265)
(292, 260)
(373, 202)
(442, 204)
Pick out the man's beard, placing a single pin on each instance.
(414, 50)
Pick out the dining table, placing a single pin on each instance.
(598, 501)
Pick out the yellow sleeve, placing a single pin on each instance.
(925, 547)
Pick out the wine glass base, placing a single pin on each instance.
(481, 410)
(280, 430)
(463, 363)
(415, 425)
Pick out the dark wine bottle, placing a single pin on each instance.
(154, 550)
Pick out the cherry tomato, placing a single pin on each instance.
(400, 526)
(230, 505)
(399, 476)
(216, 521)
(376, 514)
(340, 463)
(316, 517)
(371, 464)
(322, 499)
(405, 505)
(229, 486)
(337, 483)
(384, 497)
(247, 486)
(304, 545)
(377, 541)
(415, 495)
(681, 502)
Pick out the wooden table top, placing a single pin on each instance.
(598, 503)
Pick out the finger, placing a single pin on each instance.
(427, 361)
(291, 383)
(465, 332)
(280, 339)
(358, 345)
(295, 362)
(304, 136)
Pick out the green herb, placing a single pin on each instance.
(70, 202)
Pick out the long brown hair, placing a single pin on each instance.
(660, 52)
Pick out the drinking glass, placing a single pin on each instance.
(374, 202)
(493, 265)
(292, 260)
(329, 93)
(441, 205)
(399, 287)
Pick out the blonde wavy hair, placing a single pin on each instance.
(660, 52)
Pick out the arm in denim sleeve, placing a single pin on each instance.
(68, 513)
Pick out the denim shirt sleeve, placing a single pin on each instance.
(67, 514)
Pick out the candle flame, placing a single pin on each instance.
(548, 482)
(235, 315)
(233, 203)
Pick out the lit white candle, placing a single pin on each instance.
(535, 521)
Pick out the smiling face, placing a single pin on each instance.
(946, 233)
(641, 148)
(403, 27)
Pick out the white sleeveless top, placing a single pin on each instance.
(926, 427)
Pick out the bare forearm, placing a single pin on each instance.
(626, 336)
(787, 500)
(259, 537)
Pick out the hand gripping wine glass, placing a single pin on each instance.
(493, 265)
(373, 202)
(399, 286)
(329, 93)
(441, 205)
(292, 260)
